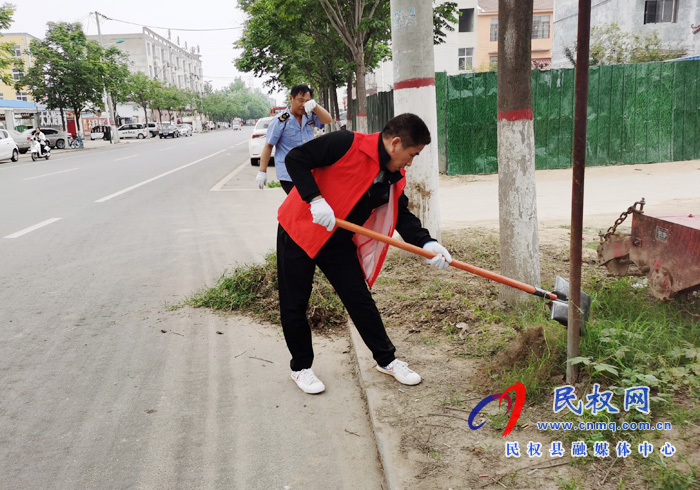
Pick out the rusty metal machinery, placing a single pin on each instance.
(664, 248)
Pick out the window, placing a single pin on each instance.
(3, 135)
(18, 51)
(465, 58)
(17, 75)
(2, 96)
(466, 20)
(494, 28)
(540, 27)
(657, 11)
(493, 60)
(22, 96)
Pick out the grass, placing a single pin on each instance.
(253, 289)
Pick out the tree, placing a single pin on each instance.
(610, 45)
(67, 70)
(7, 50)
(115, 75)
(517, 201)
(142, 90)
(324, 45)
(275, 46)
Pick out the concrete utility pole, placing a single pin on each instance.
(517, 193)
(114, 137)
(414, 91)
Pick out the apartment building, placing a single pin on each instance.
(160, 58)
(487, 34)
(677, 22)
(21, 41)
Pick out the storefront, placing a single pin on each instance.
(19, 115)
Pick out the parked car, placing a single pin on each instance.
(56, 138)
(236, 126)
(256, 143)
(153, 128)
(185, 129)
(99, 133)
(8, 147)
(22, 141)
(169, 131)
(133, 131)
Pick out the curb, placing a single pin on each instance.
(389, 464)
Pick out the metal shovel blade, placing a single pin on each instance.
(560, 306)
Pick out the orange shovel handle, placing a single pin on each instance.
(528, 288)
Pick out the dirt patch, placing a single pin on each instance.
(443, 324)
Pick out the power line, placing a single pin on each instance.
(171, 28)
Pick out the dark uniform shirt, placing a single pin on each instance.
(330, 148)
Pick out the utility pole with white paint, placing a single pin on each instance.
(414, 91)
(517, 193)
(114, 136)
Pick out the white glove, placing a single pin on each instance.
(322, 213)
(261, 179)
(442, 259)
(310, 106)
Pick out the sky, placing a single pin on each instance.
(216, 46)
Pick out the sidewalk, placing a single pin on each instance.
(668, 188)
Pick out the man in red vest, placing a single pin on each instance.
(360, 178)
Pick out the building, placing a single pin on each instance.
(21, 41)
(487, 34)
(473, 45)
(159, 58)
(674, 20)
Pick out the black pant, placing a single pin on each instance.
(287, 185)
(338, 261)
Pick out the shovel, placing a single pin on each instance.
(560, 305)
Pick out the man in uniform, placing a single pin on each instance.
(291, 128)
(360, 178)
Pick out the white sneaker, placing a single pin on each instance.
(400, 371)
(307, 381)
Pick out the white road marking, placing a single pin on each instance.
(124, 191)
(125, 158)
(168, 148)
(32, 228)
(53, 173)
(223, 181)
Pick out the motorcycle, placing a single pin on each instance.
(40, 149)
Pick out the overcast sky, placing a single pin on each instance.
(216, 46)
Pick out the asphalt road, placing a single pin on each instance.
(96, 247)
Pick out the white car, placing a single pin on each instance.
(185, 129)
(22, 140)
(133, 131)
(8, 147)
(257, 141)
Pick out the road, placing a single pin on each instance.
(103, 384)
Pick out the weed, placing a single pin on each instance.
(253, 289)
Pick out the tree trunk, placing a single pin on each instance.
(517, 196)
(414, 91)
(361, 114)
(350, 109)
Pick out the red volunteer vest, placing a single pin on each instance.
(342, 185)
